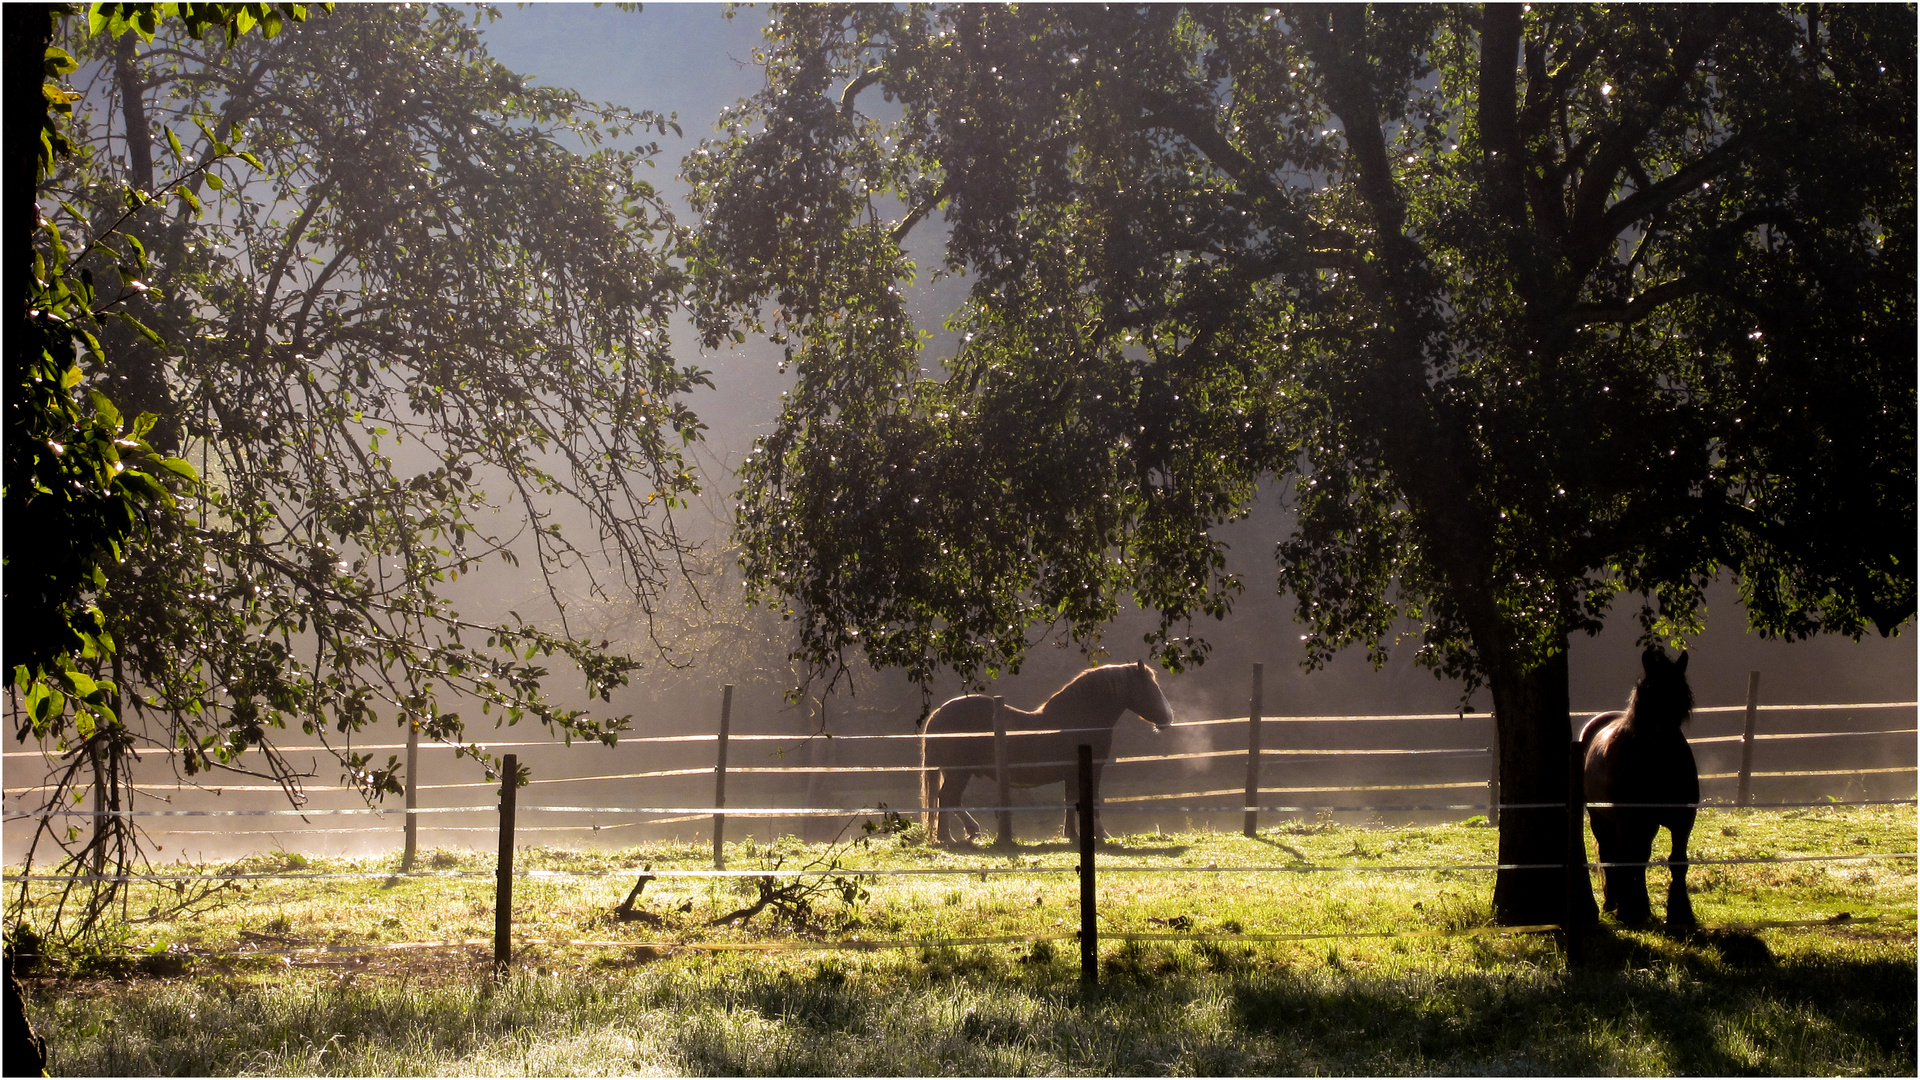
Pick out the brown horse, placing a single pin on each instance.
(1095, 698)
(1637, 757)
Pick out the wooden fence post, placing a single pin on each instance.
(1089, 929)
(100, 827)
(926, 787)
(1746, 741)
(720, 779)
(820, 755)
(1003, 816)
(503, 878)
(410, 844)
(1252, 824)
(1493, 785)
(1579, 887)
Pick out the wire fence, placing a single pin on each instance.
(1125, 796)
(1251, 800)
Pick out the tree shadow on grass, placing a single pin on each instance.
(1118, 846)
(1709, 1004)
(1288, 848)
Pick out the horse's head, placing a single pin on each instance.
(1144, 696)
(1662, 698)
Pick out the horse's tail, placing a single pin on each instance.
(926, 788)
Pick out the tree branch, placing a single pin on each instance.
(1632, 310)
(1165, 111)
(1498, 116)
(866, 78)
(913, 217)
(1616, 147)
(1350, 95)
(1651, 200)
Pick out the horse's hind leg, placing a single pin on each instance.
(1679, 905)
(1099, 827)
(1606, 836)
(953, 784)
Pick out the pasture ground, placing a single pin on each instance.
(329, 976)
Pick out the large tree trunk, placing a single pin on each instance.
(1530, 714)
(26, 1052)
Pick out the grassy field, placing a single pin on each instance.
(335, 976)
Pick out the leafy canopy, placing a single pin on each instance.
(1532, 307)
(418, 325)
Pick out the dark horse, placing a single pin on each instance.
(1095, 698)
(1640, 756)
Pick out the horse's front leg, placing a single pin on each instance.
(1073, 810)
(1679, 904)
(1637, 831)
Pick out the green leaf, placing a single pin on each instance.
(181, 468)
(214, 182)
(104, 408)
(51, 705)
(141, 327)
(173, 141)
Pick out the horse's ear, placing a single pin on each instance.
(1652, 656)
(1682, 665)
(1141, 664)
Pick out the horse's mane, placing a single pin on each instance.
(1661, 699)
(1103, 681)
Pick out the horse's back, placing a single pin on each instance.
(969, 714)
(1592, 728)
(1624, 764)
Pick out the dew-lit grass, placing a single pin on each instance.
(1823, 999)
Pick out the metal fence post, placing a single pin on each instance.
(1746, 740)
(1003, 816)
(720, 780)
(410, 844)
(1089, 929)
(1252, 824)
(503, 879)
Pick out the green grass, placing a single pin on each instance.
(1823, 999)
